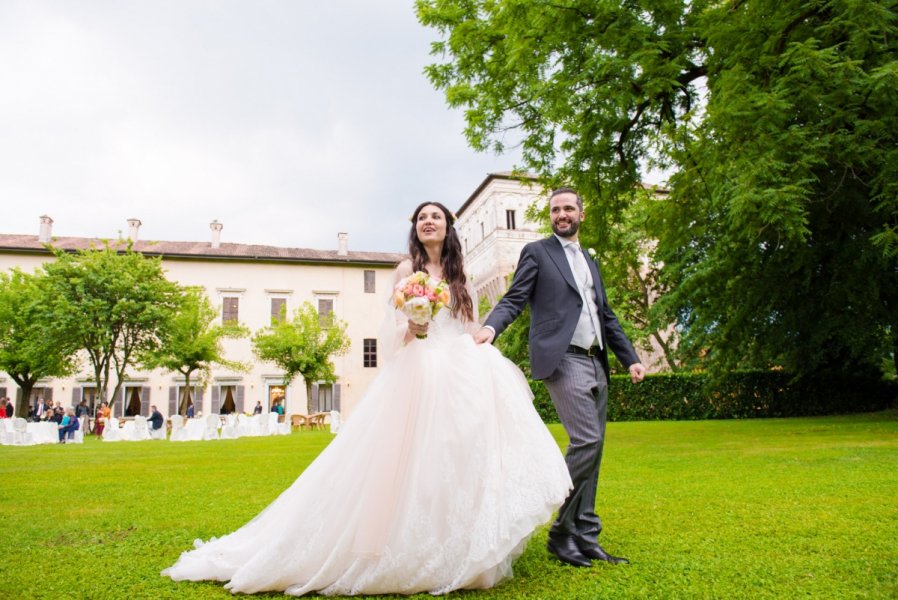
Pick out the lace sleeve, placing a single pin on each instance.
(395, 324)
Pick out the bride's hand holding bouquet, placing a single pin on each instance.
(420, 298)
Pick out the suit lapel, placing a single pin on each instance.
(556, 253)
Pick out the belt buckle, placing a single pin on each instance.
(592, 351)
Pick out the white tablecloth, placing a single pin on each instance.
(44, 432)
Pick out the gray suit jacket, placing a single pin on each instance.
(544, 280)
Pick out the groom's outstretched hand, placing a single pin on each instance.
(637, 372)
(484, 335)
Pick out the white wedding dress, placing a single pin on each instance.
(434, 483)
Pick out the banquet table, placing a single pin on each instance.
(44, 432)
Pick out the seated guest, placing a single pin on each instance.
(40, 409)
(156, 419)
(68, 426)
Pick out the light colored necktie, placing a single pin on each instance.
(577, 263)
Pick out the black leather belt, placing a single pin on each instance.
(594, 351)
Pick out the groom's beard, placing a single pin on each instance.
(572, 229)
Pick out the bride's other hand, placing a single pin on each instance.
(484, 335)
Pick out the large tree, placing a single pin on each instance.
(778, 119)
(112, 303)
(29, 350)
(303, 345)
(193, 341)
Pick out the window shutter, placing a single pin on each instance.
(336, 396)
(216, 399)
(117, 404)
(48, 394)
(145, 401)
(369, 281)
(172, 400)
(18, 395)
(239, 399)
(313, 401)
(76, 396)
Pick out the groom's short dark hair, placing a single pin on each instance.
(567, 190)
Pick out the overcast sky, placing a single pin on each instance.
(286, 120)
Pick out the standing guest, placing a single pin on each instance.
(68, 426)
(190, 411)
(258, 409)
(10, 410)
(82, 410)
(3, 408)
(572, 327)
(102, 416)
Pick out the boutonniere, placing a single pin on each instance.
(591, 252)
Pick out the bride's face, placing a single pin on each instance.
(431, 224)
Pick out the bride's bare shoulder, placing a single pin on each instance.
(404, 268)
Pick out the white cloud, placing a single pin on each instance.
(287, 121)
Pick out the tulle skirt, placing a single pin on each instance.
(434, 483)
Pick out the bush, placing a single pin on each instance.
(738, 395)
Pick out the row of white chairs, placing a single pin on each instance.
(234, 426)
(19, 432)
(134, 430)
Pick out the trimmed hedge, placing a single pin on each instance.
(738, 395)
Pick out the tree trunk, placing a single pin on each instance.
(182, 410)
(308, 396)
(26, 384)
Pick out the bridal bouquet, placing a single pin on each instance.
(419, 299)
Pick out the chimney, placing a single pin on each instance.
(133, 228)
(46, 230)
(342, 244)
(215, 226)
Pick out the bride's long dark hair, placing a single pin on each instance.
(450, 259)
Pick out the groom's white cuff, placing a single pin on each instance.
(491, 328)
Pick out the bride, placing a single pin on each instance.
(434, 484)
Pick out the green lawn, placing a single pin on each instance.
(780, 508)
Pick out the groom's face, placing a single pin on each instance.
(565, 214)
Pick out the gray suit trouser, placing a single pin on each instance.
(579, 390)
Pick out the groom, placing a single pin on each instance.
(571, 329)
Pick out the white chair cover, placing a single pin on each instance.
(229, 430)
(335, 421)
(21, 436)
(271, 424)
(213, 422)
(141, 428)
(157, 434)
(284, 428)
(178, 431)
(6, 431)
(128, 433)
(246, 425)
(112, 433)
(78, 435)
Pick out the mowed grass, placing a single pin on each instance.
(779, 508)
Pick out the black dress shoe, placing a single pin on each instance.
(565, 549)
(596, 552)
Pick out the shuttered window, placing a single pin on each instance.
(369, 352)
(278, 309)
(229, 309)
(369, 281)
